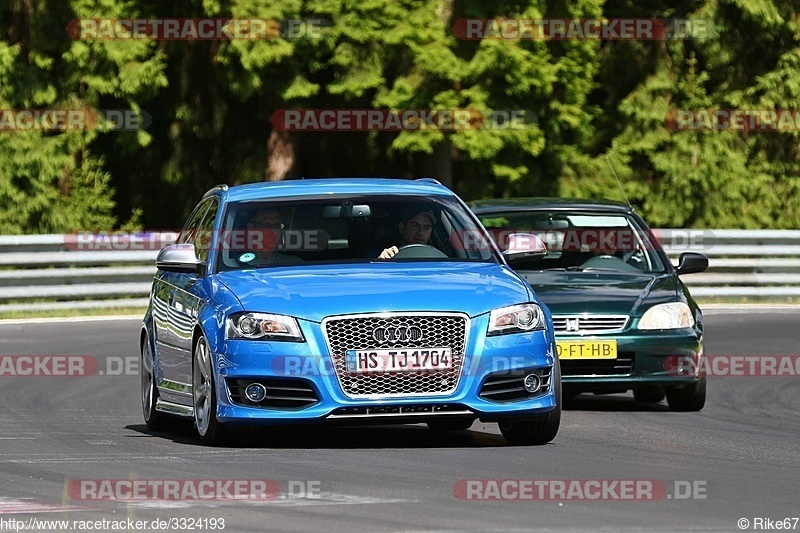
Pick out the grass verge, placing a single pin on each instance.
(68, 313)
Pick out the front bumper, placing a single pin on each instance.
(309, 364)
(656, 358)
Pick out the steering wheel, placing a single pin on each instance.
(419, 251)
(635, 256)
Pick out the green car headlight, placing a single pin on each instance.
(667, 316)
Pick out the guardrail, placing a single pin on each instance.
(761, 264)
(108, 271)
(71, 274)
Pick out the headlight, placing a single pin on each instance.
(667, 316)
(516, 319)
(262, 326)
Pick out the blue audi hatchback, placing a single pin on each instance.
(346, 301)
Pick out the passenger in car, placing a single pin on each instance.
(265, 231)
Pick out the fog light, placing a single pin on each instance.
(532, 383)
(255, 392)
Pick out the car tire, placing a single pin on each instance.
(204, 396)
(649, 394)
(149, 391)
(690, 398)
(450, 425)
(537, 431)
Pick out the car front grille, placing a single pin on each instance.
(622, 365)
(589, 324)
(508, 386)
(355, 332)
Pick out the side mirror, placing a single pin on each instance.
(691, 263)
(180, 258)
(524, 247)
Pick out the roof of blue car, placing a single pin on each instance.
(523, 204)
(348, 186)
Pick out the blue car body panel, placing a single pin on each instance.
(307, 292)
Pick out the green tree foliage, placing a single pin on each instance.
(52, 181)
(734, 179)
(211, 104)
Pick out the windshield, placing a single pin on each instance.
(268, 233)
(581, 241)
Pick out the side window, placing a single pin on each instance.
(187, 234)
(202, 237)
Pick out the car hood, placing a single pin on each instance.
(312, 292)
(612, 293)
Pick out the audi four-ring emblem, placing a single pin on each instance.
(395, 334)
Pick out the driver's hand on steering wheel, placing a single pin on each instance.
(388, 253)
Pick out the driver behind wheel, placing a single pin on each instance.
(416, 225)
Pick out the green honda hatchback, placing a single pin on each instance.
(623, 318)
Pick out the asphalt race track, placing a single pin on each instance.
(738, 458)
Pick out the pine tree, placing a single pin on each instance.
(53, 181)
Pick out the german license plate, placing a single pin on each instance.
(587, 349)
(398, 360)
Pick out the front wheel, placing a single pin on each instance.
(204, 394)
(537, 431)
(691, 398)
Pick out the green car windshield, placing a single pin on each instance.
(581, 241)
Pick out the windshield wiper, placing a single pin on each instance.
(586, 269)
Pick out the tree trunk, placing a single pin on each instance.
(439, 164)
(281, 156)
